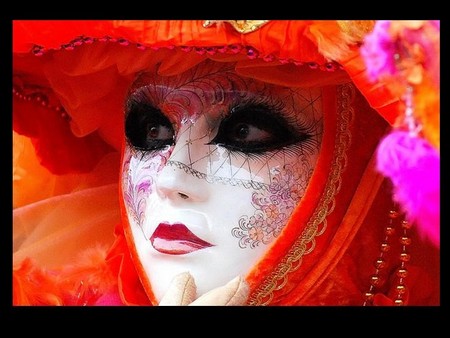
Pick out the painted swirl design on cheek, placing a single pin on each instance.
(138, 180)
(273, 208)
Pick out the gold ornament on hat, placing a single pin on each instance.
(356, 29)
(242, 26)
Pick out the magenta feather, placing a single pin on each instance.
(413, 166)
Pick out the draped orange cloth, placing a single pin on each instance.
(70, 80)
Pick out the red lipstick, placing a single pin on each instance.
(176, 239)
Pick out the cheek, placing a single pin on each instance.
(271, 207)
(138, 174)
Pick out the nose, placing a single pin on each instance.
(177, 182)
(180, 179)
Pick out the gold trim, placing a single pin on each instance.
(242, 26)
(356, 29)
(316, 226)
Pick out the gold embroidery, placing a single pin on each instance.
(356, 29)
(317, 224)
(242, 26)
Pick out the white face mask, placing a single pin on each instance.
(213, 167)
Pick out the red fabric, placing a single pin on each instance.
(90, 80)
(52, 137)
(277, 38)
(119, 260)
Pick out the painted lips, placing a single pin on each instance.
(176, 239)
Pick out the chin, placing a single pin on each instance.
(163, 270)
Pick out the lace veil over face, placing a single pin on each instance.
(275, 115)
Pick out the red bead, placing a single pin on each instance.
(68, 47)
(393, 214)
(200, 50)
(375, 280)
(404, 257)
(330, 67)
(235, 48)
(186, 48)
(222, 49)
(401, 289)
(399, 302)
(389, 230)
(140, 46)
(211, 50)
(252, 53)
(38, 50)
(385, 247)
(405, 240)
(402, 273)
(77, 42)
(380, 263)
(406, 224)
(369, 296)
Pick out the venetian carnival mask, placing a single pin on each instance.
(213, 166)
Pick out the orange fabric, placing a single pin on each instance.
(329, 246)
(377, 93)
(32, 286)
(277, 38)
(306, 207)
(65, 224)
(119, 260)
(90, 81)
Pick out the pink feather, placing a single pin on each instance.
(413, 166)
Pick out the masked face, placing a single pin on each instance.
(213, 166)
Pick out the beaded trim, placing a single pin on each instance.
(40, 98)
(379, 278)
(37, 95)
(251, 52)
(316, 226)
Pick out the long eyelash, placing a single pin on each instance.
(311, 144)
(137, 152)
(273, 104)
(138, 96)
(279, 108)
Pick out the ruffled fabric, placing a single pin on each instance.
(88, 74)
(83, 69)
(87, 281)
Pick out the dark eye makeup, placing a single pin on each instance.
(249, 128)
(147, 128)
(256, 128)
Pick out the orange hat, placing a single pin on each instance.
(74, 76)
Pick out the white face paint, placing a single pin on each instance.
(213, 168)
